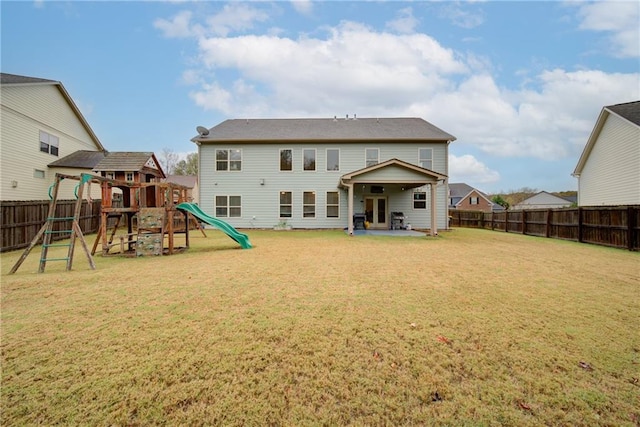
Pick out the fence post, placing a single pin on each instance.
(580, 225)
(492, 220)
(506, 222)
(547, 231)
(631, 226)
(524, 221)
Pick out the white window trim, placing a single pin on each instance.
(126, 176)
(315, 205)
(228, 206)
(420, 159)
(282, 204)
(326, 158)
(48, 136)
(413, 200)
(327, 205)
(280, 158)
(215, 159)
(315, 158)
(366, 158)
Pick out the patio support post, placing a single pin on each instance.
(434, 222)
(350, 209)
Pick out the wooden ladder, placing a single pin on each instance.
(48, 229)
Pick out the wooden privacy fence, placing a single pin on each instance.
(21, 220)
(616, 226)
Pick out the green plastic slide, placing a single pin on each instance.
(226, 228)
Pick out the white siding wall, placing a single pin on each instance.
(26, 110)
(611, 175)
(260, 203)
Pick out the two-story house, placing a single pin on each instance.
(320, 173)
(41, 124)
(608, 170)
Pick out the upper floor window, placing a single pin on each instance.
(309, 156)
(474, 200)
(286, 160)
(285, 204)
(128, 176)
(229, 206)
(228, 160)
(333, 159)
(110, 175)
(419, 200)
(372, 156)
(426, 158)
(333, 204)
(49, 143)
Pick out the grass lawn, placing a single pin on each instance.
(317, 328)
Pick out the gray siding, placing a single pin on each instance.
(260, 203)
(611, 174)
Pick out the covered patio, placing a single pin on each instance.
(384, 188)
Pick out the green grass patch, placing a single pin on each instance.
(318, 328)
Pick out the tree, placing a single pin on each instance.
(168, 160)
(499, 200)
(189, 166)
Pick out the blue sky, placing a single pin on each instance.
(520, 84)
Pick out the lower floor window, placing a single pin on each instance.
(309, 204)
(229, 206)
(285, 204)
(419, 200)
(333, 204)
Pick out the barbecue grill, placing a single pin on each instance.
(397, 221)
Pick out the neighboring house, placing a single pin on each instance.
(319, 173)
(40, 125)
(542, 200)
(464, 197)
(189, 181)
(608, 171)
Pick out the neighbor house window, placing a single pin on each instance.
(426, 158)
(309, 156)
(38, 173)
(286, 160)
(49, 143)
(309, 204)
(372, 156)
(286, 205)
(333, 204)
(229, 206)
(419, 200)
(228, 160)
(129, 176)
(474, 200)
(333, 159)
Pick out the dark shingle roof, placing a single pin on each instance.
(123, 161)
(80, 159)
(629, 110)
(459, 189)
(185, 180)
(265, 130)
(7, 79)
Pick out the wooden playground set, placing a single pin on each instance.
(152, 206)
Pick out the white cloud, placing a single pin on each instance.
(468, 169)
(621, 19)
(405, 23)
(460, 15)
(404, 75)
(304, 7)
(235, 17)
(178, 27)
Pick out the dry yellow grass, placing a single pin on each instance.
(317, 328)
